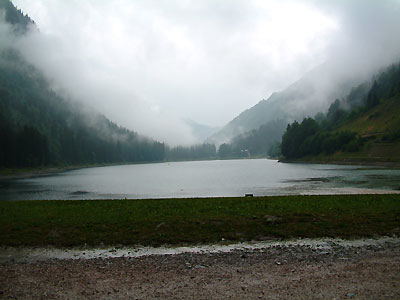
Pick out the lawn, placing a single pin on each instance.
(155, 222)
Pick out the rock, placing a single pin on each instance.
(200, 266)
(161, 224)
(272, 219)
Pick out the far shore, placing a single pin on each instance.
(383, 164)
(10, 174)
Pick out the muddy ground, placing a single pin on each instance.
(278, 272)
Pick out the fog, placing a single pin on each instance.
(148, 65)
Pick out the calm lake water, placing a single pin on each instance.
(201, 179)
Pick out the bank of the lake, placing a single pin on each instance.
(324, 270)
(381, 155)
(155, 222)
(344, 162)
(22, 173)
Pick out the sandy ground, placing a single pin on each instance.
(278, 272)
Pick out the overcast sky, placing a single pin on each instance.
(147, 64)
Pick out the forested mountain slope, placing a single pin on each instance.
(364, 126)
(39, 127)
(258, 142)
(20, 23)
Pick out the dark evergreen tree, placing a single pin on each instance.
(373, 96)
(194, 152)
(225, 151)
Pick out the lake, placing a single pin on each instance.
(223, 178)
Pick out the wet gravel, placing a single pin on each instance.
(278, 272)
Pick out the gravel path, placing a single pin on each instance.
(279, 272)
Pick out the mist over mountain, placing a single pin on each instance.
(39, 127)
(364, 44)
(361, 126)
(15, 18)
(311, 94)
(150, 67)
(201, 131)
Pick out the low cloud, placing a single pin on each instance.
(149, 64)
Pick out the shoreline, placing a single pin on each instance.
(13, 174)
(382, 164)
(24, 174)
(24, 254)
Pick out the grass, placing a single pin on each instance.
(380, 119)
(196, 221)
(375, 126)
(376, 123)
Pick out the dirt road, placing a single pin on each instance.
(279, 272)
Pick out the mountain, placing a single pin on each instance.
(38, 127)
(200, 131)
(364, 126)
(20, 22)
(258, 142)
(306, 97)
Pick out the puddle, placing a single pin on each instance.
(348, 190)
(10, 254)
(79, 193)
(313, 179)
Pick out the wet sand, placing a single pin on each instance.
(329, 270)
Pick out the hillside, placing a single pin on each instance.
(362, 127)
(306, 97)
(200, 131)
(379, 127)
(19, 22)
(39, 127)
(259, 142)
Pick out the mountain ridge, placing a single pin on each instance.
(15, 17)
(307, 96)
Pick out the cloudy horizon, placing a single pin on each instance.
(150, 64)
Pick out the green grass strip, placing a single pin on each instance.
(154, 222)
